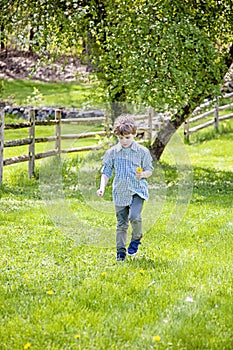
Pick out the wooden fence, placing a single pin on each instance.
(148, 124)
(213, 112)
(32, 140)
(145, 123)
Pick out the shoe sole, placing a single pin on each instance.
(132, 254)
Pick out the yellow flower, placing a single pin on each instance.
(25, 276)
(27, 346)
(103, 274)
(139, 170)
(141, 271)
(156, 338)
(50, 292)
(77, 336)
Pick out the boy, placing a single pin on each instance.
(132, 164)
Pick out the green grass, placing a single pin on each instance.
(58, 293)
(59, 94)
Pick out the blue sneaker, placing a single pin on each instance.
(121, 254)
(133, 247)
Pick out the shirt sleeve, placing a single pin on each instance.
(147, 161)
(107, 164)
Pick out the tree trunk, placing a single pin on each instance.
(2, 37)
(168, 130)
(31, 36)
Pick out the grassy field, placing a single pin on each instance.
(59, 94)
(61, 287)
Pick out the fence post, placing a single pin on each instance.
(58, 131)
(1, 142)
(106, 124)
(150, 123)
(31, 148)
(186, 129)
(216, 120)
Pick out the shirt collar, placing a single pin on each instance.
(133, 147)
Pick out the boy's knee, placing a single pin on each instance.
(122, 226)
(135, 219)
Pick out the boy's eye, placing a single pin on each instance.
(124, 137)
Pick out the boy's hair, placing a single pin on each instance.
(124, 125)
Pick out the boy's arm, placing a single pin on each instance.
(103, 184)
(147, 165)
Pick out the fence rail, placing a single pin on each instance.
(32, 140)
(214, 112)
(146, 123)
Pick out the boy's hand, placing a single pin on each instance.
(143, 174)
(100, 192)
(103, 183)
(139, 173)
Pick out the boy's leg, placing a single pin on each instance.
(135, 217)
(122, 215)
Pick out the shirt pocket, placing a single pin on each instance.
(136, 161)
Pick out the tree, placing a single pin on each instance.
(170, 55)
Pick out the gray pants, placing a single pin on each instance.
(130, 213)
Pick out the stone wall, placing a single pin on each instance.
(48, 113)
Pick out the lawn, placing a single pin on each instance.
(59, 94)
(61, 287)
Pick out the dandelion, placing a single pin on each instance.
(25, 276)
(141, 271)
(139, 170)
(103, 274)
(50, 292)
(156, 338)
(27, 346)
(76, 336)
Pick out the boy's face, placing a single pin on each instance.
(126, 140)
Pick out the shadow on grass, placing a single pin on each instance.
(208, 184)
(144, 262)
(211, 182)
(20, 191)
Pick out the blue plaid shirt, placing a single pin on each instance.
(124, 162)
